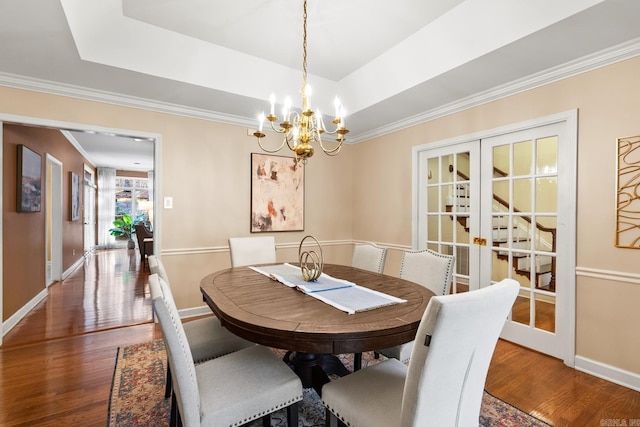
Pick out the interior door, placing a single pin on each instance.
(89, 211)
(448, 208)
(520, 220)
(504, 205)
(53, 229)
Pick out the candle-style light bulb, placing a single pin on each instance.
(307, 96)
(342, 114)
(272, 100)
(261, 121)
(336, 104)
(319, 122)
(287, 107)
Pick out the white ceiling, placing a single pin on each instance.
(393, 64)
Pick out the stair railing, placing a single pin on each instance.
(527, 218)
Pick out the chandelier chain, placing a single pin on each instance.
(304, 47)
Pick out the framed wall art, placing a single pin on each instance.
(627, 191)
(75, 197)
(277, 193)
(29, 180)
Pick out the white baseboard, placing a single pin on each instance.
(24, 310)
(607, 372)
(73, 268)
(185, 313)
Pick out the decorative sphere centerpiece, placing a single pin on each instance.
(311, 262)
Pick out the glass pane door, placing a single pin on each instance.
(447, 201)
(504, 205)
(520, 217)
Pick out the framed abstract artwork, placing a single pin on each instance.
(29, 180)
(75, 197)
(627, 193)
(277, 194)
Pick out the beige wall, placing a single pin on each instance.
(24, 239)
(206, 169)
(365, 193)
(609, 108)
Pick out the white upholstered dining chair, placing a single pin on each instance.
(206, 337)
(430, 269)
(230, 390)
(368, 256)
(157, 267)
(252, 250)
(444, 382)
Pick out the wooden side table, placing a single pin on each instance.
(147, 249)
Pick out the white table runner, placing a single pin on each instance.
(338, 293)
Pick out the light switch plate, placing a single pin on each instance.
(168, 202)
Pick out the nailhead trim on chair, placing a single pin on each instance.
(270, 411)
(197, 362)
(255, 417)
(448, 272)
(186, 352)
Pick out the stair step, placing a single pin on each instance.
(523, 244)
(459, 202)
(543, 264)
(501, 234)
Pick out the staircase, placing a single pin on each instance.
(544, 268)
(518, 237)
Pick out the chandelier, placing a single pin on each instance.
(302, 128)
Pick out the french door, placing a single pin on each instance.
(504, 204)
(448, 203)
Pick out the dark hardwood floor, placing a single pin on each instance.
(56, 366)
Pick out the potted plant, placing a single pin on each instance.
(124, 227)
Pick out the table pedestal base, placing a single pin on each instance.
(314, 369)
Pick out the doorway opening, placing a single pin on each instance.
(54, 225)
(54, 220)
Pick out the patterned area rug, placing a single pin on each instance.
(137, 395)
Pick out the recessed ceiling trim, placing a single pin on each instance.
(604, 58)
(465, 33)
(601, 59)
(103, 35)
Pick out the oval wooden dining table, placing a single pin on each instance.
(264, 311)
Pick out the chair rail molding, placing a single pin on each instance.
(617, 276)
(282, 245)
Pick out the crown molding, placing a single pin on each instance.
(72, 91)
(585, 64)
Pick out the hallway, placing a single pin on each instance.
(56, 365)
(109, 291)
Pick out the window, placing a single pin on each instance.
(132, 198)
